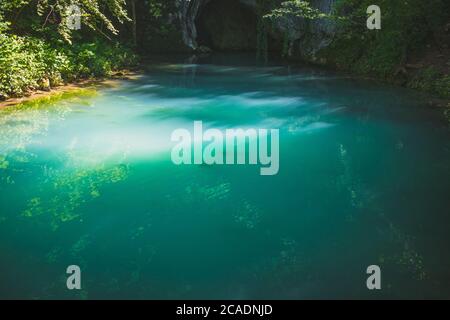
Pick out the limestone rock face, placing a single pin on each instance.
(227, 26)
(189, 11)
(321, 32)
(305, 37)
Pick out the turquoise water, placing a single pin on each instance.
(364, 179)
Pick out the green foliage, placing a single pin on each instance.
(406, 27)
(54, 14)
(157, 31)
(98, 59)
(4, 26)
(28, 63)
(431, 80)
(40, 58)
(156, 9)
(24, 61)
(409, 28)
(295, 8)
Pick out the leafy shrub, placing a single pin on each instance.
(406, 27)
(98, 59)
(431, 80)
(27, 63)
(23, 64)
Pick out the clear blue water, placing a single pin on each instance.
(364, 179)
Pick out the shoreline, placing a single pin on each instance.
(433, 101)
(73, 86)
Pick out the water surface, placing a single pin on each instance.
(364, 179)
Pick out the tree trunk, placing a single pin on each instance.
(133, 14)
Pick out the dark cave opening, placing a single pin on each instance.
(227, 25)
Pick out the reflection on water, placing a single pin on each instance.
(364, 179)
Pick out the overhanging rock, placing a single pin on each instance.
(189, 10)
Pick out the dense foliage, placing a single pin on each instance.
(28, 63)
(410, 31)
(295, 8)
(406, 27)
(52, 15)
(38, 50)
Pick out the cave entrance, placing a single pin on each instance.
(227, 25)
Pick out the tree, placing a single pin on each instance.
(133, 15)
(296, 8)
(95, 14)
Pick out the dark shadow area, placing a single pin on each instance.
(227, 25)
